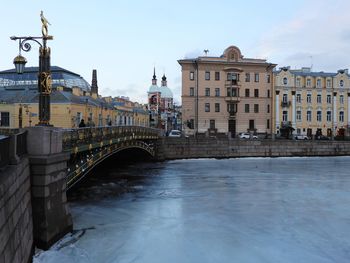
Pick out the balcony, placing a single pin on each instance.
(232, 99)
(285, 104)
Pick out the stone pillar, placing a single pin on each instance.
(51, 218)
(293, 112)
(334, 114)
(348, 109)
(277, 108)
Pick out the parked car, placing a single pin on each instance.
(175, 133)
(322, 137)
(302, 137)
(246, 135)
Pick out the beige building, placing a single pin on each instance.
(313, 103)
(227, 94)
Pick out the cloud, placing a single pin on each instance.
(318, 34)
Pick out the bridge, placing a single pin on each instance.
(39, 164)
(90, 146)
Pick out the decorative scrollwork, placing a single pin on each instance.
(45, 82)
(25, 46)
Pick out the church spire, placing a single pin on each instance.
(154, 80)
(164, 82)
(94, 87)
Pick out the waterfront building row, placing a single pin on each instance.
(231, 94)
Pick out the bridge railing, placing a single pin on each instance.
(91, 135)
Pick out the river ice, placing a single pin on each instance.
(207, 210)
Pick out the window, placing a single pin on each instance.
(319, 116)
(217, 92)
(212, 124)
(318, 83)
(341, 83)
(207, 107)
(191, 92)
(308, 82)
(232, 92)
(207, 75)
(308, 116)
(233, 77)
(207, 92)
(217, 107)
(285, 81)
(268, 93)
(256, 108)
(285, 115)
(298, 98)
(319, 98)
(217, 75)
(268, 108)
(329, 116)
(5, 119)
(232, 108)
(285, 98)
(329, 99)
(268, 78)
(247, 77)
(256, 93)
(298, 115)
(191, 75)
(256, 77)
(268, 124)
(308, 98)
(247, 92)
(341, 116)
(341, 99)
(328, 83)
(246, 108)
(298, 82)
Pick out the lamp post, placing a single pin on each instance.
(44, 76)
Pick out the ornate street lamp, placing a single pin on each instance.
(44, 76)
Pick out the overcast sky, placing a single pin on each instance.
(123, 41)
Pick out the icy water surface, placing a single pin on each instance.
(230, 210)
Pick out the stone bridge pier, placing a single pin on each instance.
(48, 163)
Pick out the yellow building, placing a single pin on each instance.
(72, 100)
(313, 103)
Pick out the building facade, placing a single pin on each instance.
(312, 103)
(229, 94)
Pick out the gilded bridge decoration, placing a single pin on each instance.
(45, 82)
(45, 23)
(90, 146)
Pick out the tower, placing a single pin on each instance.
(94, 87)
(154, 80)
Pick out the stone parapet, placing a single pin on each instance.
(184, 148)
(16, 225)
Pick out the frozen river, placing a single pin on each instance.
(207, 210)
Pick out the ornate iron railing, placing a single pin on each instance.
(82, 139)
(77, 171)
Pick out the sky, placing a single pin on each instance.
(124, 40)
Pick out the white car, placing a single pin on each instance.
(175, 133)
(246, 135)
(301, 137)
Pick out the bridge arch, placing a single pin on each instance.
(78, 171)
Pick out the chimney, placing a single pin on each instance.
(94, 87)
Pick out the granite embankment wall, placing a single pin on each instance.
(184, 148)
(16, 224)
